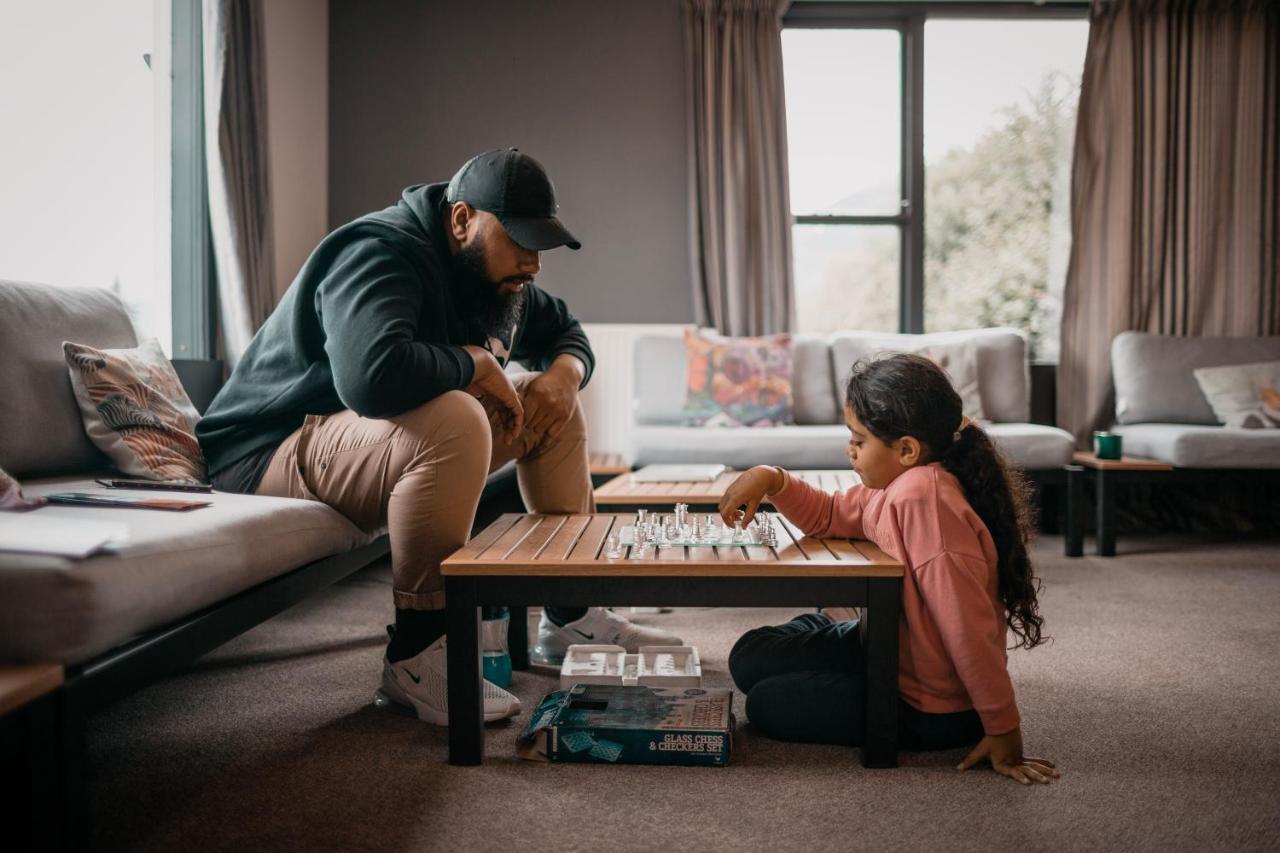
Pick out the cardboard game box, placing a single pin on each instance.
(613, 724)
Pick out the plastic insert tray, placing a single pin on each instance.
(652, 666)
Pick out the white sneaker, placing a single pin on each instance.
(598, 627)
(420, 682)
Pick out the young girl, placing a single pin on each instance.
(936, 495)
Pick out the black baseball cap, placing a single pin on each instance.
(515, 188)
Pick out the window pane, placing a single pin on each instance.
(1000, 109)
(844, 128)
(84, 158)
(846, 277)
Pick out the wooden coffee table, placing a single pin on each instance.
(523, 560)
(1106, 474)
(622, 491)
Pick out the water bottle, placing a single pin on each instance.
(493, 645)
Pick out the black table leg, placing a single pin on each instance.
(1106, 514)
(1073, 542)
(518, 637)
(466, 702)
(880, 743)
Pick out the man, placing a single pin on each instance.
(377, 386)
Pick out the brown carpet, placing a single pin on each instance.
(1159, 701)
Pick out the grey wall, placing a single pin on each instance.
(595, 89)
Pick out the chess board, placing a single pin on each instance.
(682, 528)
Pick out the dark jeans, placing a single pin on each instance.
(805, 681)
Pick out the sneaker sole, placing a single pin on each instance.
(426, 713)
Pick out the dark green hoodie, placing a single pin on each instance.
(370, 324)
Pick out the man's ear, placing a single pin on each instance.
(460, 216)
(910, 451)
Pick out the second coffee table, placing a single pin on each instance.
(622, 492)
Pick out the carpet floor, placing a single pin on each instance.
(1158, 700)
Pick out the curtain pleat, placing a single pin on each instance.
(738, 200)
(238, 169)
(1175, 190)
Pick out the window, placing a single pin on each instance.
(84, 159)
(930, 160)
(844, 142)
(999, 126)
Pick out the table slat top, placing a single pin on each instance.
(517, 544)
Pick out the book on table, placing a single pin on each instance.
(691, 473)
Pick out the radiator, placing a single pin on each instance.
(607, 399)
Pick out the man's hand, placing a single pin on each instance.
(745, 493)
(1005, 754)
(496, 393)
(551, 396)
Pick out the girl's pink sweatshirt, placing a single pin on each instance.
(952, 635)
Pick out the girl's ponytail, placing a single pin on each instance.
(1001, 496)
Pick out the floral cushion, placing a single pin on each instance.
(737, 381)
(135, 410)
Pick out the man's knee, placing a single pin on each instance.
(453, 413)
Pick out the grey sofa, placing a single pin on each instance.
(173, 564)
(182, 583)
(1162, 413)
(819, 438)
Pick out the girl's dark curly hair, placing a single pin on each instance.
(910, 395)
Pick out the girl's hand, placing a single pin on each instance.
(747, 491)
(1005, 754)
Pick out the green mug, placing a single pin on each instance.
(1106, 445)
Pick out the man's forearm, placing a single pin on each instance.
(570, 367)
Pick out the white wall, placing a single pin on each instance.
(296, 43)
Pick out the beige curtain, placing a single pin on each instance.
(1175, 185)
(739, 207)
(235, 118)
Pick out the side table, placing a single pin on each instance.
(1106, 474)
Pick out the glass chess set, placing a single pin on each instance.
(662, 530)
(652, 666)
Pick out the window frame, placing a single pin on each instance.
(908, 19)
(191, 265)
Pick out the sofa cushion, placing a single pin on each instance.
(659, 400)
(173, 564)
(1243, 395)
(40, 427)
(742, 447)
(1154, 380)
(1003, 379)
(1032, 446)
(1196, 446)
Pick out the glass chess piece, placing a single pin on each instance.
(613, 546)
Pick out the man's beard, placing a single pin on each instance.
(495, 312)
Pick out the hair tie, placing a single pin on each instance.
(965, 423)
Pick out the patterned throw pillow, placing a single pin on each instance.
(737, 381)
(135, 410)
(1243, 395)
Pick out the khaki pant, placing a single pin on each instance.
(421, 473)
